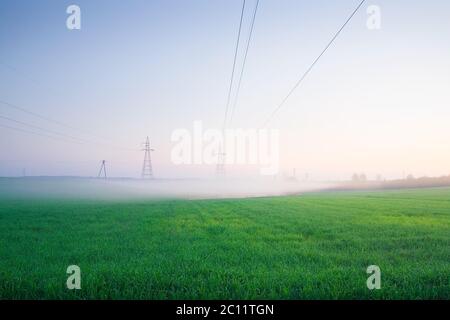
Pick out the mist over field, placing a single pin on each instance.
(229, 150)
(123, 189)
(312, 246)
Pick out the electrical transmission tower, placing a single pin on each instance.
(147, 171)
(102, 169)
(220, 167)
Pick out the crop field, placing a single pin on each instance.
(310, 246)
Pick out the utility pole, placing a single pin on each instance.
(102, 169)
(147, 171)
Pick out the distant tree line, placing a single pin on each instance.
(359, 180)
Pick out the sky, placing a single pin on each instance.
(376, 102)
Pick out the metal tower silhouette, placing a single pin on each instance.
(147, 171)
(102, 169)
(220, 167)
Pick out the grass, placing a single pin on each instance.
(314, 246)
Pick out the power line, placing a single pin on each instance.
(42, 129)
(245, 60)
(62, 124)
(234, 65)
(73, 139)
(37, 115)
(58, 123)
(312, 65)
(38, 83)
(35, 133)
(34, 81)
(221, 158)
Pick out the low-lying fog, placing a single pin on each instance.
(122, 189)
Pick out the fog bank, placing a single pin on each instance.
(122, 189)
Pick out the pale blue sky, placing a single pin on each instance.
(377, 102)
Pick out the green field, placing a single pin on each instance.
(310, 246)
